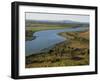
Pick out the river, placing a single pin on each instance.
(47, 39)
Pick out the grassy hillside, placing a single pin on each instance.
(73, 52)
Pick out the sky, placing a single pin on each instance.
(56, 17)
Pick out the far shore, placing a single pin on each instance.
(31, 30)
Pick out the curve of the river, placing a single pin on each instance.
(47, 39)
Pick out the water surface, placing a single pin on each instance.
(47, 39)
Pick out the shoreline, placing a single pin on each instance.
(43, 50)
(64, 50)
(32, 32)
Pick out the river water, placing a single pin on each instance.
(47, 39)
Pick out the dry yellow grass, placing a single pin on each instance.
(64, 54)
(85, 34)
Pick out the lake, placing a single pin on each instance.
(47, 39)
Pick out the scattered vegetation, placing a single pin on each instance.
(72, 52)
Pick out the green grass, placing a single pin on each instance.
(48, 27)
(34, 27)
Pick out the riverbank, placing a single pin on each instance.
(30, 30)
(72, 53)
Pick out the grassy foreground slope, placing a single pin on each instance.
(73, 52)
